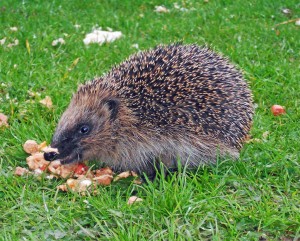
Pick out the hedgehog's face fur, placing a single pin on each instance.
(85, 128)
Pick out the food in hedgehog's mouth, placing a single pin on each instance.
(80, 177)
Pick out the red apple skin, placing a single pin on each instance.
(81, 169)
(277, 110)
(44, 167)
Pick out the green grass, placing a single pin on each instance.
(257, 198)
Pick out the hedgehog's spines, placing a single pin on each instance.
(183, 76)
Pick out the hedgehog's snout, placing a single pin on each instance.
(50, 156)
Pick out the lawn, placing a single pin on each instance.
(256, 198)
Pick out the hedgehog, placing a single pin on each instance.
(173, 105)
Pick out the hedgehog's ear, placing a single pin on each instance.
(113, 106)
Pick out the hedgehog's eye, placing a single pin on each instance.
(84, 129)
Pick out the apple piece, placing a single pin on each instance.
(277, 110)
(42, 145)
(30, 147)
(20, 171)
(122, 175)
(3, 120)
(84, 185)
(62, 187)
(138, 181)
(102, 171)
(79, 185)
(103, 180)
(81, 169)
(67, 170)
(134, 199)
(54, 167)
(36, 161)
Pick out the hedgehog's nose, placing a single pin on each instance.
(50, 156)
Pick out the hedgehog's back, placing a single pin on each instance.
(186, 87)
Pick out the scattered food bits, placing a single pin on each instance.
(30, 147)
(54, 165)
(137, 181)
(84, 184)
(38, 172)
(99, 36)
(134, 199)
(47, 102)
(134, 174)
(33, 94)
(44, 167)
(161, 9)
(103, 176)
(3, 120)
(136, 46)
(42, 145)
(76, 185)
(15, 43)
(58, 41)
(122, 175)
(253, 140)
(103, 171)
(125, 175)
(63, 171)
(81, 169)
(14, 29)
(71, 182)
(31, 163)
(265, 134)
(80, 178)
(286, 11)
(20, 171)
(277, 110)
(55, 168)
(50, 177)
(2, 41)
(39, 156)
(62, 187)
(103, 180)
(176, 6)
(36, 161)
